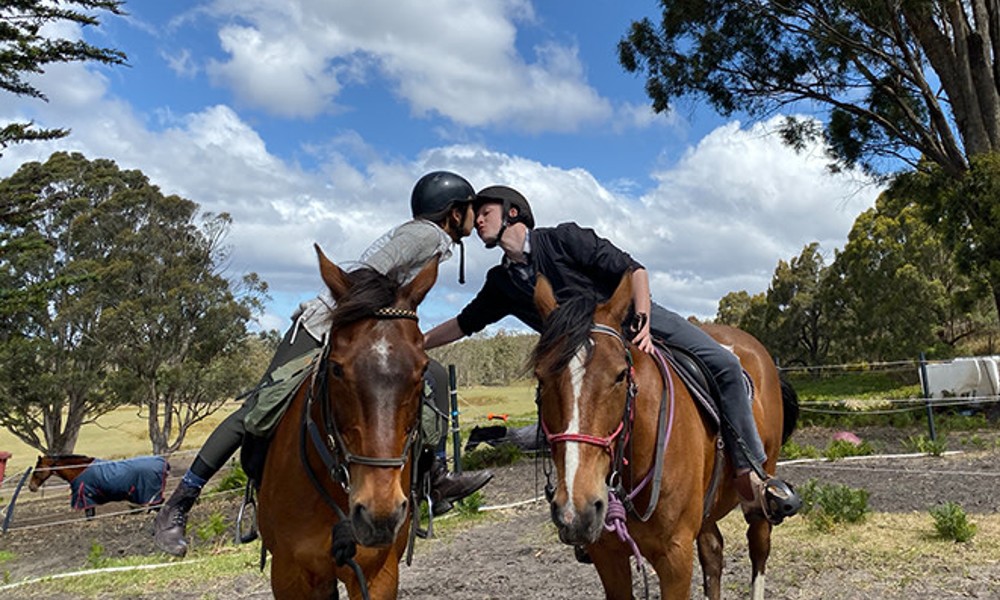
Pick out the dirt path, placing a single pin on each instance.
(513, 552)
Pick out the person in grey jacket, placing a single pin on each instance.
(441, 205)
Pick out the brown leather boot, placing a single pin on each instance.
(448, 488)
(171, 522)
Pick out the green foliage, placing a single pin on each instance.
(481, 360)
(922, 443)
(212, 528)
(827, 505)
(130, 304)
(28, 48)
(841, 449)
(95, 557)
(951, 522)
(470, 505)
(234, 479)
(489, 456)
(6, 555)
(792, 451)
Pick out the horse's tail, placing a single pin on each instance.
(790, 400)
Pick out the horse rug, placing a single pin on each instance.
(140, 480)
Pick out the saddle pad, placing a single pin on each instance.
(138, 480)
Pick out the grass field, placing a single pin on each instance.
(123, 433)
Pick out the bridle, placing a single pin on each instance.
(335, 454)
(329, 443)
(624, 428)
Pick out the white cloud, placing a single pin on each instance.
(451, 58)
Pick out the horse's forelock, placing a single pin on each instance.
(566, 329)
(370, 291)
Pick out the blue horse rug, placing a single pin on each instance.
(139, 480)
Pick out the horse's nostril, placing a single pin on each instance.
(599, 507)
(403, 506)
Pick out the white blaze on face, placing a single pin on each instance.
(571, 463)
(381, 351)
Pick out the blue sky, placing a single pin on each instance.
(310, 120)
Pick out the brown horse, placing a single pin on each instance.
(138, 480)
(340, 460)
(66, 466)
(584, 365)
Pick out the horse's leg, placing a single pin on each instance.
(291, 581)
(611, 559)
(382, 584)
(710, 545)
(759, 541)
(675, 566)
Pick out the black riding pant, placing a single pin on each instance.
(740, 436)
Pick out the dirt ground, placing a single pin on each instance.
(514, 553)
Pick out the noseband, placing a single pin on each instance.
(624, 426)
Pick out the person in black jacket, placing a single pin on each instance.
(579, 262)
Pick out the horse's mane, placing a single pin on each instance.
(370, 291)
(565, 330)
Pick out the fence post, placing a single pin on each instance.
(927, 397)
(456, 435)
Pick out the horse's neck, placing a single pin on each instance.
(72, 469)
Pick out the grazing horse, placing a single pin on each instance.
(338, 470)
(139, 480)
(604, 406)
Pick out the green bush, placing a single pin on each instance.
(921, 443)
(827, 505)
(95, 557)
(234, 479)
(842, 448)
(792, 450)
(951, 522)
(212, 528)
(488, 456)
(470, 505)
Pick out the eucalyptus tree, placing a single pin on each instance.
(27, 48)
(131, 306)
(897, 83)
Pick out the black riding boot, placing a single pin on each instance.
(448, 488)
(171, 522)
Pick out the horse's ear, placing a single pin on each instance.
(333, 276)
(413, 293)
(620, 301)
(545, 298)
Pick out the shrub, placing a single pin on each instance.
(470, 505)
(951, 522)
(842, 448)
(212, 528)
(234, 479)
(95, 557)
(484, 457)
(925, 445)
(791, 451)
(827, 505)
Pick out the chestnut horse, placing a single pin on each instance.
(138, 480)
(602, 446)
(339, 464)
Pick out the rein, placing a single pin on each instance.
(620, 503)
(336, 456)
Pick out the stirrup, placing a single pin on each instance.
(780, 500)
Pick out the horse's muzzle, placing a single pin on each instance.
(579, 526)
(374, 530)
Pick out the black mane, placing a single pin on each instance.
(370, 291)
(566, 329)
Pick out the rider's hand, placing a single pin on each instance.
(644, 339)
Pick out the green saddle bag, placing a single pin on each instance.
(269, 404)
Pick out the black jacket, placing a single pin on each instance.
(574, 259)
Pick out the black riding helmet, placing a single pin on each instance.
(508, 198)
(433, 197)
(437, 192)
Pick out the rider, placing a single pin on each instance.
(441, 205)
(577, 261)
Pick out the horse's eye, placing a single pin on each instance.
(337, 369)
(621, 376)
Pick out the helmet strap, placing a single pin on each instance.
(461, 262)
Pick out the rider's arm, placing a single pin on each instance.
(642, 302)
(445, 333)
